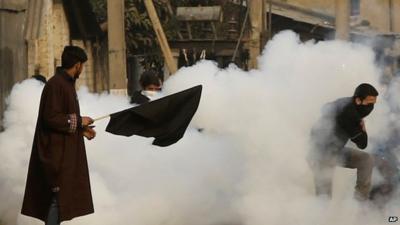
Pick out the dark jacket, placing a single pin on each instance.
(58, 157)
(339, 123)
(138, 98)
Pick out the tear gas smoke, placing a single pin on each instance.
(247, 166)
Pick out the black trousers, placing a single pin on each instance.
(52, 217)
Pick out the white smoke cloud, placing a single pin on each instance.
(247, 166)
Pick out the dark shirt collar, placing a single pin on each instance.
(62, 72)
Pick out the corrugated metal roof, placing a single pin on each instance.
(302, 14)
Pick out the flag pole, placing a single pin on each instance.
(102, 117)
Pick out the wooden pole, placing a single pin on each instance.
(391, 21)
(166, 50)
(256, 28)
(342, 12)
(101, 117)
(241, 35)
(116, 46)
(264, 31)
(269, 20)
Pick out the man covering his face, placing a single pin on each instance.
(341, 121)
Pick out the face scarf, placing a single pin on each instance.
(152, 95)
(365, 110)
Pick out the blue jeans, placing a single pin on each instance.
(52, 217)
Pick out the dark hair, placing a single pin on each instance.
(72, 55)
(364, 90)
(148, 78)
(40, 78)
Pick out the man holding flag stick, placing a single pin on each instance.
(58, 186)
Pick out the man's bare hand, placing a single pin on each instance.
(86, 121)
(89, 133)
(362, 124)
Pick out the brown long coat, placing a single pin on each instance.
(58, 156)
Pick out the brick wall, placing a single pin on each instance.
(45, 52)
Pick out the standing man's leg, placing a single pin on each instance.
(52, 217)
(364, 163)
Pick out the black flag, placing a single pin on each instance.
(166, 118)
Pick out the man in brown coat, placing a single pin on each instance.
(58, 186)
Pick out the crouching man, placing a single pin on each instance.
(341, 121)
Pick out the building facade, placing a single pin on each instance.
(376, 22)
(33, 34)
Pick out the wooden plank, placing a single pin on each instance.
(14, 5)
(116, 46)
(256, 29)
(342, 23)
(189, 30)
(214, 29)
(169, 59)
(203, 13)
(210, 45)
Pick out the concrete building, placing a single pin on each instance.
(382, 15)
(376, 22)
(33, 34)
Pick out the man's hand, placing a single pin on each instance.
(86, 121)
(362, 124)
(89, 132)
